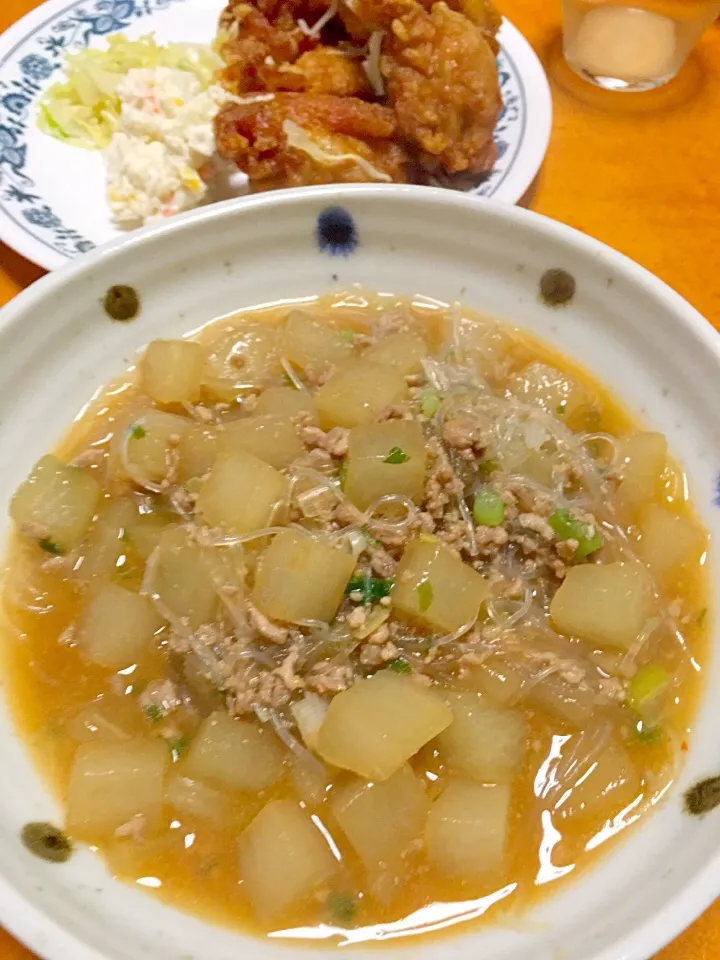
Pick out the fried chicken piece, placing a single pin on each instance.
(324, 70)
(319, 127)
(442, 83)
(482, 13)
(361, 18)
(255, 48)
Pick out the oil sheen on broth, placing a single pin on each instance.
(332, 614)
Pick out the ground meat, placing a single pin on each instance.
(536, 523)
(490, 540)
(134, 828)
(465, 431)
(565, 549)
(335, 441)
(162, 694)
(373, 655)
(266, 628)
(443, 486)
(328, 677)
(394, 412)
(382, 563)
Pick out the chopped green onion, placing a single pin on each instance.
(137, 432)
(701, 617)
(348, 335)
(647, 733)
(288, 381)
(560, 409)
(488, 508)
(646, 686)
(177, 747)
(399, 665)
(371, 588)
(342, 908)
(154, 712)
(568, 527)
(49, 546)
(396, 455)
(430, 401)
(487, 467)
(342, 473)
(425, 595)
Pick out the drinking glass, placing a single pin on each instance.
(635, 45)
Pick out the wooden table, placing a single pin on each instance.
(637, 171)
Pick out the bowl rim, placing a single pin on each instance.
(18, 913)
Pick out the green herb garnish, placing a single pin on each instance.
(647, 686)
(399, 665)
(137, 432)
(568, 527)
(348, 335)
(488, 508)
(430, 401)
(425, 595)
(342, 908)
(487, 467)
(371, 588)
(154, 712)
(647, 733)
(396, 455)
(560, 409)
(342, 474)
(288, 381)
(49, 546)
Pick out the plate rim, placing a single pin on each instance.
(516, 181)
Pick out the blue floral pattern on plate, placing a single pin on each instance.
(31, 65)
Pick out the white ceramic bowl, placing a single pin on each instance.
(57, 346)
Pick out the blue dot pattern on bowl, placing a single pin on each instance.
(336, 232)
(717, 491)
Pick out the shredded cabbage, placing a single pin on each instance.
(84, 110)
(299, 139)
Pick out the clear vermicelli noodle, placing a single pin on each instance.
(335, 614)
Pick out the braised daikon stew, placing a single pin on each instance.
(354, 620)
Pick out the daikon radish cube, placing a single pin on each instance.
(309, 714)
(116, 626)
(55, 505)
(283, 859)
(610, 784)
(668, 541)
(485, 342)
(197, 450)
(311, 345)
(110, 783)
(182, 579)
(240, 493)
(467, 827)
(546, 387)
(151, 443)
(406, 351)
(108, 539)
(171, 371)
(233, 753)
(378, 724)
(381, 821)
(311, 779)
(436, 588)
(285, 402)
(247, 353)
(111, 718)
(301, 577)
(385, 458)
(358, 393)
(270, 438)
(197, 799)
(643, 458)
(604, 603)
(483, 742)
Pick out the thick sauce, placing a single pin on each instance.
(191, 862)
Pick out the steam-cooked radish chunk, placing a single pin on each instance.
(302, 577)
(107, 539)
(467, 829)
(667, 540)
(235, 754)
(148, 450)
(283, 859)
(483, 742)
(240, 493)
(546, 387)
(246, 354)
(607, 603)
(378, 724)
(312, 346)
(55, 505)
(643, 458)
(358, 393)
(171, 371)
(406, 351)
(270, 438)
(382, 821)
(385, 458)
(197, 450)
(197, 799)
(182, 580)
(434, 587)
(285, 402)
(116, 626)
(112, 783)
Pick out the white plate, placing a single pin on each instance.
(57, 347)
(52, 196)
